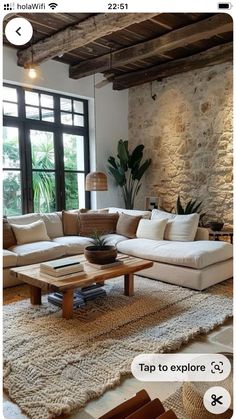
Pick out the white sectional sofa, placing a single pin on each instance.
(196, 264)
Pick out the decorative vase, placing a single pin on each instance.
(100, 256)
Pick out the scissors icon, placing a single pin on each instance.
(216, 399)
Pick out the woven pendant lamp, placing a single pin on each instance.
(96, 181)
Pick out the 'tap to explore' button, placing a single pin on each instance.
(181, 367)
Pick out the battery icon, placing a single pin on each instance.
(224, 6)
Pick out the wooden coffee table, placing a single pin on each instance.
(37, 281)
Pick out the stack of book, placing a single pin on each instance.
(61, 268)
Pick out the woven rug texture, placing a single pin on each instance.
(54, 366)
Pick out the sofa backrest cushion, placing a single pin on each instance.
(30, 233)
(178, 227)
(127, 225)
(142, 214)
(70, 222)
(53, 224)
(25, 219)
(151, 229)
(102, 223)
(8, 235)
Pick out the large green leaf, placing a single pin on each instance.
(136, 156)
(141, 170)
(118, 176)
(123, 154)
(112, 162)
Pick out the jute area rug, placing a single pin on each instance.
(54, 366)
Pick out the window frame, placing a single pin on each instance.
(24, 126)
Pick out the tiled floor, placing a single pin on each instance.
(219, 340)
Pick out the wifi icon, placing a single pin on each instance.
(53, 5)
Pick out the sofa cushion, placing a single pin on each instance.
(37, 252)
(113, 239)
(179, 227)
(25, 219)
(30, 233)
(151, 229)
(196, 254)
(102, 223)
(8, 235)
(143, 214)
(73, 244)
(127, 225)
(70, 221)
(9, 259)
(53, 224)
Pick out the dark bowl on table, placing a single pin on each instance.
(216, 226)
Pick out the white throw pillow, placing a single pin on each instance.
(179, 227)
(151, 229)
(30, 233)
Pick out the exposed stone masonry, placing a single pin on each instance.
(187, 131)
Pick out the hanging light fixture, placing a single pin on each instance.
(33, 69)
(96, 181)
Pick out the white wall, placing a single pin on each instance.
(110, 108)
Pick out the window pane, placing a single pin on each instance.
(74, 190)
(73, 152)
(12, 193)
(32, 113)
(78, 106)
(9, 94)
(11, 154)
(42, 150)
(66, 104)
(44, 191)
(10, 109)
(66, 118)
(47, 115)
(31, 98)
(47, 101)
(79, 120)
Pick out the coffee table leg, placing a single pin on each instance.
(35, 295)
(129, 285)
(67, 304)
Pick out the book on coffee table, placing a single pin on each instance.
(61, 267)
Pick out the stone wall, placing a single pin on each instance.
(187, 131)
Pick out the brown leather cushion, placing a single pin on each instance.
(127, 225)
(70, 222)
(8, 235)
(102, 223)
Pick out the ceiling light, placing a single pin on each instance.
(33, 72)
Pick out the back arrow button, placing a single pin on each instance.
(18, 31)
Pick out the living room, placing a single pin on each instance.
(89, 99)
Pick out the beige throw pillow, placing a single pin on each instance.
(151, 229)
(70, 222)
(30, 233)
(127, 225)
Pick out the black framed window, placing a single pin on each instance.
(45, 151)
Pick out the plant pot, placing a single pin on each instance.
(95, 254)
(215, 225)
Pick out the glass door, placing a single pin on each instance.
(43, 170)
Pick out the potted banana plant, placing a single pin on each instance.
(128, 170)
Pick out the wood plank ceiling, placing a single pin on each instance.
(129, 49)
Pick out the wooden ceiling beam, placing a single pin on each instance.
(78, 35)
(216, 55)
(178, 38)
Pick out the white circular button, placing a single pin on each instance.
(217, 400)
(19, 31)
